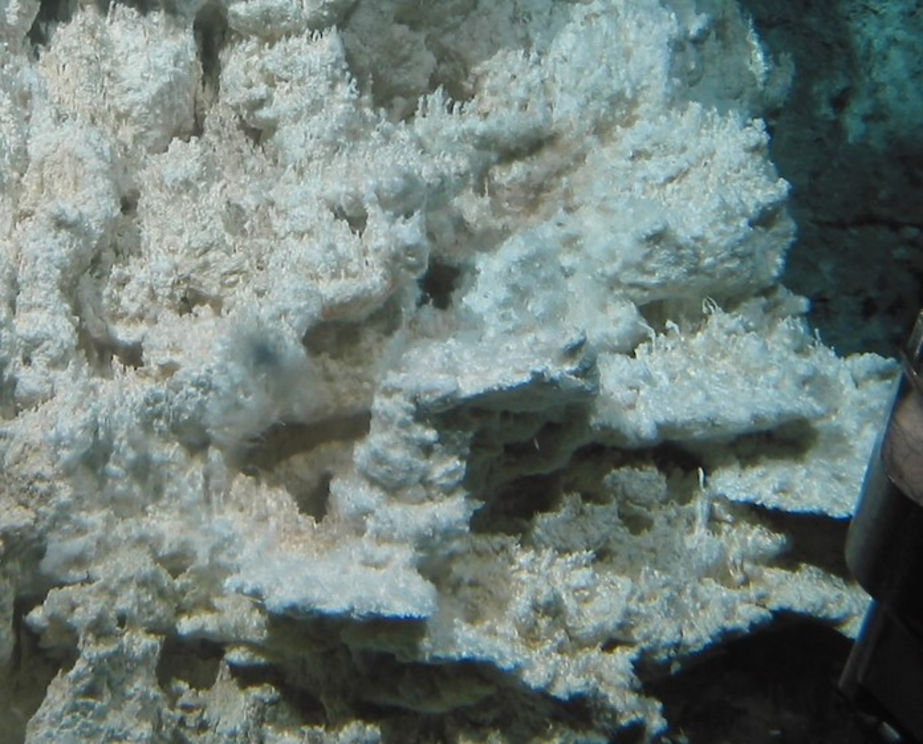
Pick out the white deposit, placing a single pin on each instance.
(395, 371)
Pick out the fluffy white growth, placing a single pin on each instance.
(262, 377)
(425, 361)
(16, 16)
(133, 74)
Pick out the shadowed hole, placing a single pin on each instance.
(778, 685)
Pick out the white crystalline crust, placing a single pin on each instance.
(370, 364)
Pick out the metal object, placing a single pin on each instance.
(884, 551)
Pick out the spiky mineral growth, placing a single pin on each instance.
(387, 370)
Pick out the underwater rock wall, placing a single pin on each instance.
(850, 140)
(400, 371)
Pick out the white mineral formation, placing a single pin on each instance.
(386, 370)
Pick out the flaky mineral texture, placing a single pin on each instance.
(397, 371)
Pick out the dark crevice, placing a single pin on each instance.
(24, 680)
(333, 338)
(437, 285)
(588, 468)
(515, 461)
(307, 708)
(283, 441)
(332, 671)
(51, 13)
(190, 298)
(356, 219)
(211, 30)
(488, 698)
(177, 562)
(101, 351)
(813, 539)
(254, 135)
(512, 509)
(309, 487)
(194, 662)
(104, 352)
(129, 354)
(791, 441)
(128, 204)
(528, 476)
(658, 313)
(344, 341)
(672, 456)
(315, 501)
(778, 685)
